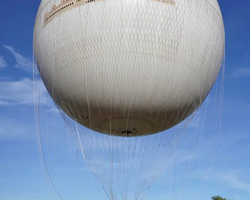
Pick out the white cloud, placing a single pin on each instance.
(236, 183)
(21, 92)
(232, 178)
(21, 62)
(54, 109)
(2, 62)
(13, 129)
(241, 72)
(3, 103)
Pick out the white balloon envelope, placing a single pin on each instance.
(129, 67)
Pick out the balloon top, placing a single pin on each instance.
(66, 5)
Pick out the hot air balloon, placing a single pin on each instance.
(130, 68)
(126, 67)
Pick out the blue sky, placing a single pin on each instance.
(21, 175)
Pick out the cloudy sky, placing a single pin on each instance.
(190, 173)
